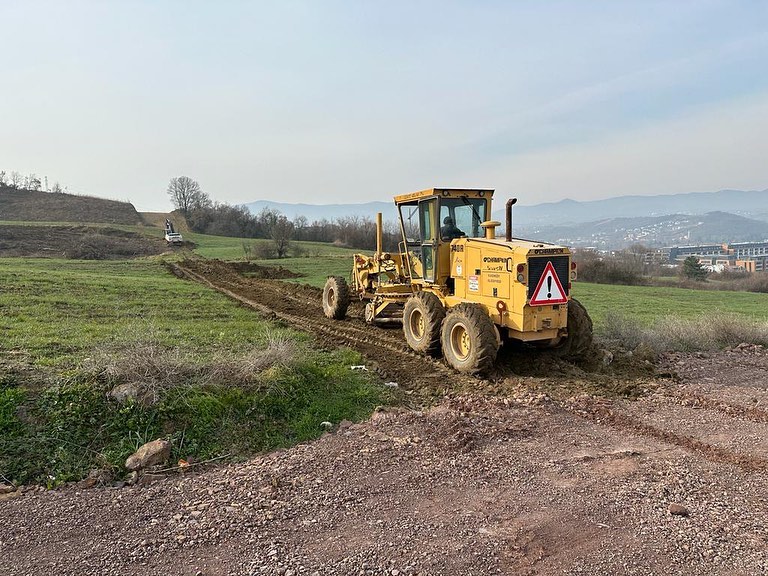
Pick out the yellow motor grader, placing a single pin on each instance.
(460, 290)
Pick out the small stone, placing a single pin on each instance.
(678, 510)
(6, 489)
(124, 393)
(151, 453)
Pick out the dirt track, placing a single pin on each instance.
(299, 306)
(523, 473)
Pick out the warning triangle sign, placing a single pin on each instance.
(548, 290)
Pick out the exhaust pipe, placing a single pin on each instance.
(379, 235)
(511, 202)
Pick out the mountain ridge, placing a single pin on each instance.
(748, 203)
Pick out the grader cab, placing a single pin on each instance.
(460, 290)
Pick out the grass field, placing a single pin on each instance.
(649, 304)
(222, 379)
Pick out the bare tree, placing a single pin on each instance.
(2, 178)
(282, 232)
(186, 194)
(56, 189)
(266, 219)
(32, 182)
(15, 179)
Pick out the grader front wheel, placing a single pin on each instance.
(422, 317)
(469, 339)
(335, 297)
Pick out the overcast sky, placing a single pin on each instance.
(337, 102)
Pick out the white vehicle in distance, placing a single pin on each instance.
(173, 238)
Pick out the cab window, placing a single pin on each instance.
(461, 217)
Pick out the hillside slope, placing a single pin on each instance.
(674, 229)
(37, 206)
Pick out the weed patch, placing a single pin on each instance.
(684, 335)
(277, 397)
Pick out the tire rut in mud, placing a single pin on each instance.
(694, 400)
(602, 413)
(300, 307)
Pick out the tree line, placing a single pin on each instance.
(18, 181)
(205, 216)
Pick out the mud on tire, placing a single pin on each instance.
(579, 340)
(469, 339)
(423, 316)
(335, 297)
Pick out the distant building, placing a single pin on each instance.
(751, 256)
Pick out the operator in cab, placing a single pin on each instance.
(449, 230)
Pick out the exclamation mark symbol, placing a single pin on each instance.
(549, 287)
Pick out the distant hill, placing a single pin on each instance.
(36, 206)
(652, 231)
(326, 211)
(750, 204)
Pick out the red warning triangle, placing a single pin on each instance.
(548, 290)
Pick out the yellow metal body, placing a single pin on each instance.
(477, 267)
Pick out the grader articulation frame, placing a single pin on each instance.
(458, 289)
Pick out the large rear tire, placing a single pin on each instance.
(335, 298)
(469, 339)
(577, 344)
(422, 318)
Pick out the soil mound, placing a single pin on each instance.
(270, 272)
(76, 242)
(36, 206)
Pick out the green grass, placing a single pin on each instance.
(53, 311)
(316, 269)
(71, 330)
(650, 304)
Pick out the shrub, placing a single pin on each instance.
(610, 271)
(693, 270)
(265, 250)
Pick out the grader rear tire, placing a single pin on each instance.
(469, 339)
(422, 317)
(335, 298)
(579, 340)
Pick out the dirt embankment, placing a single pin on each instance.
(78, 242)
(523, 473)
(37, 206)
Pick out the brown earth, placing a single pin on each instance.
(37, 206)
(543, 468)
(157, 219)
(80, 242)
